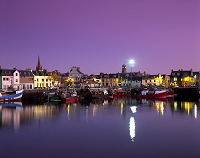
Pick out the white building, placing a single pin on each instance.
(75, 73)
(10, 79)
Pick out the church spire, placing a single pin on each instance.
(39, 66)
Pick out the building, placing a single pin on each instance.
(41, 77)
(10, 79)
(93, 81)
(56, 78)
(42, 80)
(123, 68)
(130, 80)
(156, 80)
(75, 73)
(110, 80)
(184, 78)
(26, 79)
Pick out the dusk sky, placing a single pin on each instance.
(100, 35)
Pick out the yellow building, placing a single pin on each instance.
(156, 80)
(43, 81)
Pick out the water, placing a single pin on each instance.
(119, 128)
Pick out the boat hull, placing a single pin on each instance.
(72, 100)
(154, 95)
(11, 98)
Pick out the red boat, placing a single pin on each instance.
(170, 93)
(152, 95)
(72, 99)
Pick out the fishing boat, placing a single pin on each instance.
(152, 94)
(170, 93)
(72, 97)
(12, 97)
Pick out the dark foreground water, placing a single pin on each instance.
(123, 128)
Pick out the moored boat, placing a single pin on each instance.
(72, 99)
(170, 93)
(152, 94)
(12, 97)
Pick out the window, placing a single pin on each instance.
(47, 80)
(16, 74)
(4, 79)
(16, 80)
(175, 78)
(42, 80)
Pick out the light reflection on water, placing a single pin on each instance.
(125, 121)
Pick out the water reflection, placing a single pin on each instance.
(14, 114)
(189, 108)
(132, 123)
(132, 128)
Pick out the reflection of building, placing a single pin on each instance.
(189, 108)
(15, 116)
(10, 117)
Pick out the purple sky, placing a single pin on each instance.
(100, 35)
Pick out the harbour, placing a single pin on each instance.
(99, 79)
(121, 127)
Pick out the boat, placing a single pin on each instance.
(12, 97)
(120, 93)
(170, 93)
(72, 97)
(102, 95)
(146, 94)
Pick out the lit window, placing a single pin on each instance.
(175, 78)
(16, 80)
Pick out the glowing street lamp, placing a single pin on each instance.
(131, 63)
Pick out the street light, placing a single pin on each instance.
(131, 63)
